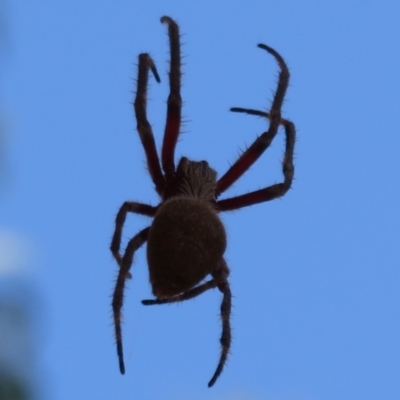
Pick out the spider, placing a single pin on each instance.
(186, 240)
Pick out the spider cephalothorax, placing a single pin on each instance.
(193, 179)
(186, 240)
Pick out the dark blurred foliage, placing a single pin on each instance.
(18, 371)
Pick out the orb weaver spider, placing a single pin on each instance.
(186, 240)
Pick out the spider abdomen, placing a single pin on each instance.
(186, 242)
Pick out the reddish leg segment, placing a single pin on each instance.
(274, 191)
(258, 147)
(174, 103)
(143, 126)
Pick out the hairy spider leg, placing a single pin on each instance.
(143, 125)
(219, 280)
(190, 294)
(125, 263)
(174, 103)
(226, 336)
(137, 241)
(274, 191)
(252, 154)
(127, 207)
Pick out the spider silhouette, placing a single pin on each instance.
(186, 240)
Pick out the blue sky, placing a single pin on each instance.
(315, 275)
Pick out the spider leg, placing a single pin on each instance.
(174, 103)
(262, 142)
(274, 191)
(128, 206)
(190, 294)
(258, 113)
(226, 307)
(143, 125)
(219, 280)
(226, 337)
(118, 296)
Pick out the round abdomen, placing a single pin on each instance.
(186, 242)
